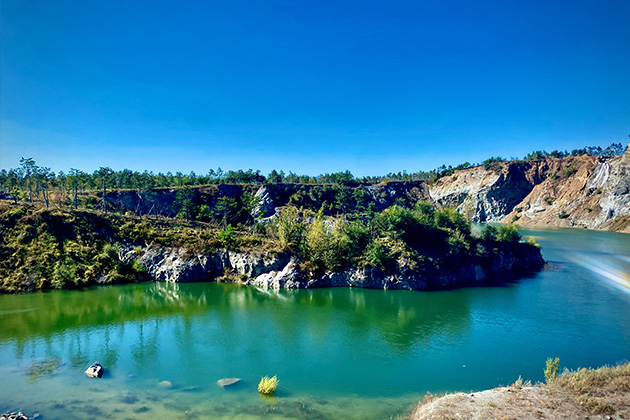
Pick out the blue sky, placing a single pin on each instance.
(308, 86)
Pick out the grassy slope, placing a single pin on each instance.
(42, 249)
(602, 393)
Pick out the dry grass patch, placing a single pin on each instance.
(596, 394)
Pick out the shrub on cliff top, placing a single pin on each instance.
(508, 233)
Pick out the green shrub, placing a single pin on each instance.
(449, 218)
(288, 228)
(489, 233)
(326, 247)
(227, 235)
(378, 254)
(551, 369)
(532, 241)
(425, 213)
(508, 233)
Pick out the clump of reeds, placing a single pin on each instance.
(268, 385)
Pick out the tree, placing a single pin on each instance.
(489, 233)
(75, 180)
(27, 169)
(104, 177)
(3, 180)
(250, 202)
(227, 210)
(275, 177)
(184, 203)
(43, 178)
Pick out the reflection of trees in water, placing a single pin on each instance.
(78, 358)
(145, 351)
(60, 311)
(224, 315)
(110, 351)
(402, 318)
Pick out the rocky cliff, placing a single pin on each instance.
(281, 271)
(576, 191)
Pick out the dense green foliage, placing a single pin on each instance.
(42, 249)
(420, 238)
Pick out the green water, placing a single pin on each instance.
(339, 353)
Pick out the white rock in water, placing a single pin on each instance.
(95, 370)
(228, 381)
(166, 384)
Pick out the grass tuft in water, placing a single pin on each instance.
(268, 385)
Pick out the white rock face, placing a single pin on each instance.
(281, 271)
(266, 207)
(615, 191)
(287, 278)
(480, 194)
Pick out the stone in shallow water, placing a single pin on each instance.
(95, 370)
(228, 381)
(13, 416)
(166, 384)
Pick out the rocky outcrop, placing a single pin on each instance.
(281, 271)
(576, 191)
(265, 207)
(484, 195)
(180, 265)
(588, 192)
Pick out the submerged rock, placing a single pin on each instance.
(166, 384)
(228, 381)
(14, 416)
(95, 370)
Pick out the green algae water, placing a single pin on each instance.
(338, 353)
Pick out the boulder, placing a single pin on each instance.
(95, 370)
(228, 381)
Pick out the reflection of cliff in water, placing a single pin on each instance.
(401, 318)
(227, 317)
(44, 314)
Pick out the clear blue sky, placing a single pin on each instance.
(311, 86)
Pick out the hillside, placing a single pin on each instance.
(397, 248)
(575, 191)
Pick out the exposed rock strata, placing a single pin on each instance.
(282, 271)
(576, 191)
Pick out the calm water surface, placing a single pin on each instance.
(339, 353)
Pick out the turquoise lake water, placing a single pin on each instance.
(338, 353)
